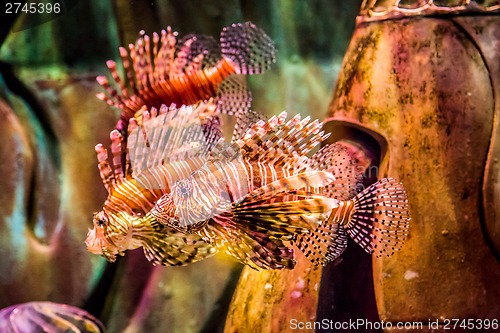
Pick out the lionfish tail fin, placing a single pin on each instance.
(338, 160)
(248, 47)
(380, 218)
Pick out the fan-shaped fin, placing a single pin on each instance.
(257, 250)
(248, 47)
(323, 244)
(380, 218)
(203, 45)
(338, 160)
(233, 96)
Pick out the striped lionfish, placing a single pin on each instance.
(124, 222)
(200, 69)
(252, 199)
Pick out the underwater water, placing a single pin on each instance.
(409, 96)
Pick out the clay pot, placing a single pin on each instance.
(424, 88)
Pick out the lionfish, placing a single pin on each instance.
(200, 69)
(252, 199)
(124, 222)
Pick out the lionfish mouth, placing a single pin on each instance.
(97, 244)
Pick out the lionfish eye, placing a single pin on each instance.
(100, 219)
(184, 188)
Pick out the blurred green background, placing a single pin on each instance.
(51, 122)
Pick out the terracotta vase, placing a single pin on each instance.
(416, 97)
(423, 82)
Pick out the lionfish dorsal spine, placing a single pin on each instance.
(172, 135)
(105, 170)
(128, 71)
(117, 154)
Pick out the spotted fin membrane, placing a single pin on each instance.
(377, 219)
(328, 241)
(380, 218)
(244, 121)
(169, 248)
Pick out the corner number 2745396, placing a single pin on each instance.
(32, 8)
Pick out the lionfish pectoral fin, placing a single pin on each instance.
(324, 244)
(248, 47)
(203, 45)
(338, 160)
(256, 250)
(271, 253)
(381, 218)
(177, 249)
(233, 96)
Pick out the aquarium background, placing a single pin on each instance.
(51, 122)
(418, 97)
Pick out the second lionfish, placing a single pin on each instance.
(252, 199)
(161, 70)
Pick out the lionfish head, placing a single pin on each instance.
(105, 239)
